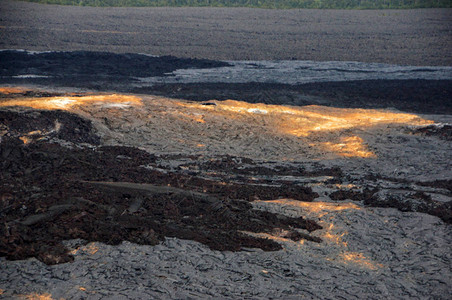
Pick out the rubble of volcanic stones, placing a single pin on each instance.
(248, 167)
(50, 193)
(37, 124)
(443, 132)
(414, 202)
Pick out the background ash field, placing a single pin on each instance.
(408, 37)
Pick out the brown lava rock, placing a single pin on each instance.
(50, 193)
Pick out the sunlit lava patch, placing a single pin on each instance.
(36, 296)
(320, 209)
(68, 102)
(90, 249)
(25, 140)
(12, 90)
(352, 146)
(311, 122)
(359, 259)
(272, 237)
(333, 236)
(234, 127)
(303, 121)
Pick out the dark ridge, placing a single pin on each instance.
(246, 166)
(415, 202)
(116, 72)
(442, 184)
(95, 64)
(38, 124)
(413, 95)
(442, 132)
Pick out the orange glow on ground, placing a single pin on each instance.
(312, 120)
(25, 139)
(318, 208)
(271, 237)
(36, 296)
(260, 130)
(303, 121)
(66, 103)
(88, 249)
(352, 146)
(360, 260)
(192, 117)
(35, 135)
(12, 90)
(321, 209)
(332, 236)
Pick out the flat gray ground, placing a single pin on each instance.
(408, 37)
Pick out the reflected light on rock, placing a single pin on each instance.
(352, 146)
(272, 237)
(284, 132)
(312, 120)
(360, 260)
(36, 296)
(332, 237)
(66, 103)
(88, 249)
(320, 209)
(12, 90)
(25, 140)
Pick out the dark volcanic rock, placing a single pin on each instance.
(413, 95)
(94, 70)
(341, 195)
(95, 64)
(35, 124)
(415, 202)
(50, 193)
(443, 132)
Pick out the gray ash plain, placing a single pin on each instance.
(420, 37)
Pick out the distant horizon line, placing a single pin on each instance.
(262, 4)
